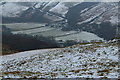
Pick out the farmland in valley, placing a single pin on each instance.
(41, 29)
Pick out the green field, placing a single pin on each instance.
(40, 29)
(23, 26)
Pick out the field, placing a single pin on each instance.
(23, 26)
(40, 29)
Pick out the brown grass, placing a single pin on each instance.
(105, 70)
(77, 71)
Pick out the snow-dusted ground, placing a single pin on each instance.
(93, 60)
(23, 54)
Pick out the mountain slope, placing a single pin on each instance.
(94, 17)
(92, 60)
(86, 10)
(12, 10)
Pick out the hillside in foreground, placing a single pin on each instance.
(91, 60)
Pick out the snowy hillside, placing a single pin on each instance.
(94, 17)
(12, 10)
(57, 10)
(92, 60)
(47, 7)
(101, 13)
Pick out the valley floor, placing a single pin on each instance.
(92, 60)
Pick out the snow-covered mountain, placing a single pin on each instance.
(101, 13)
(88, 11)
(12, 9)
(51, 10)
(92, 60)
(95, 17)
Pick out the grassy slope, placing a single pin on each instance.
(81, 60)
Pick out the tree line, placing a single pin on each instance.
(23, 42)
